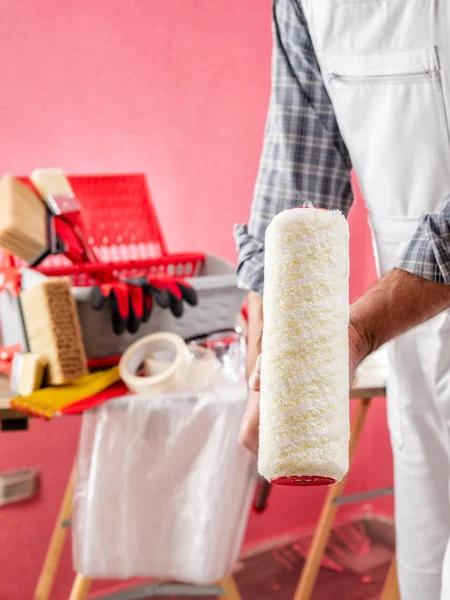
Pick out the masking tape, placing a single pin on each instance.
(166, 380)
(199, 369)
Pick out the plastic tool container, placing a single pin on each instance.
(123, 228)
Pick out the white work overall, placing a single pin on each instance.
(386, 65)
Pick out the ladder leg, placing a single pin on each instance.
(322, 533)
(80, 588)
(230, 589)
(56, 545)
(390, 588)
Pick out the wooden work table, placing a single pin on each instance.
(359, 390)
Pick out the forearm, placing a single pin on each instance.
(255, 326)
(397, 303)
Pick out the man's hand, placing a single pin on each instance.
(249, 432)
(358, 347)
(248, 435)
(395, 304)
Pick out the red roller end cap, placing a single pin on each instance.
(303, 480)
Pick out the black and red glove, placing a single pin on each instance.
(151, 290)
(168, 292)
(126, 303)
(179, 291)
(131, 300)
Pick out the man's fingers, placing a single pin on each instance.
(255, 377)
(249, 432)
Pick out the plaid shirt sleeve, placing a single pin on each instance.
(304, 157)
(428, 253)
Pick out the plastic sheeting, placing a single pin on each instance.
(162, 488)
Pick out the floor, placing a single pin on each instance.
(356, 564)
(354, 567)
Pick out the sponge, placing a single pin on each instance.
(53, 329)
(50, 401)
(27, 373)
(304, 413)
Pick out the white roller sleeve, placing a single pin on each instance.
(304, 423)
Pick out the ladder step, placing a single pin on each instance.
(387, 491)
(169, 589)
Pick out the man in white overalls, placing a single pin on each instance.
(365, 84)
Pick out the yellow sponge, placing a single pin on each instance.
(48, 401)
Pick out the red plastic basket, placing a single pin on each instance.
(123, 228)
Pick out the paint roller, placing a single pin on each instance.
(304, 412)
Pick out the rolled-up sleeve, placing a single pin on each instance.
(428, 253)
(250, 259)
(304, 157)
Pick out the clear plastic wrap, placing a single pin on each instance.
(162, 488)
(162, 362)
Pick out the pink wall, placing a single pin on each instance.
(178, 90)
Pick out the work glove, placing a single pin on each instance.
(179, 291)
(131, 300)
(152, 290)
(125, 302)
(168, 292)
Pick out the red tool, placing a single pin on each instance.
(6, 357)
(65, 231)
(118, 389)
(10, 277)
(66, 226)
(70, 226)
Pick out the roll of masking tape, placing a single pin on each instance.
(199, 370)
(166, 379)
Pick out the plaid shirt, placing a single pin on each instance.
(428, 253)
(305, 159)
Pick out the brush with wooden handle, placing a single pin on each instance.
(23, 220)
(32, 229)
(57, 193)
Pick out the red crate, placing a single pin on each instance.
(124, 231)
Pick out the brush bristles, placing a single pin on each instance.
(23, 228)
(53, 329)
(51, 182)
